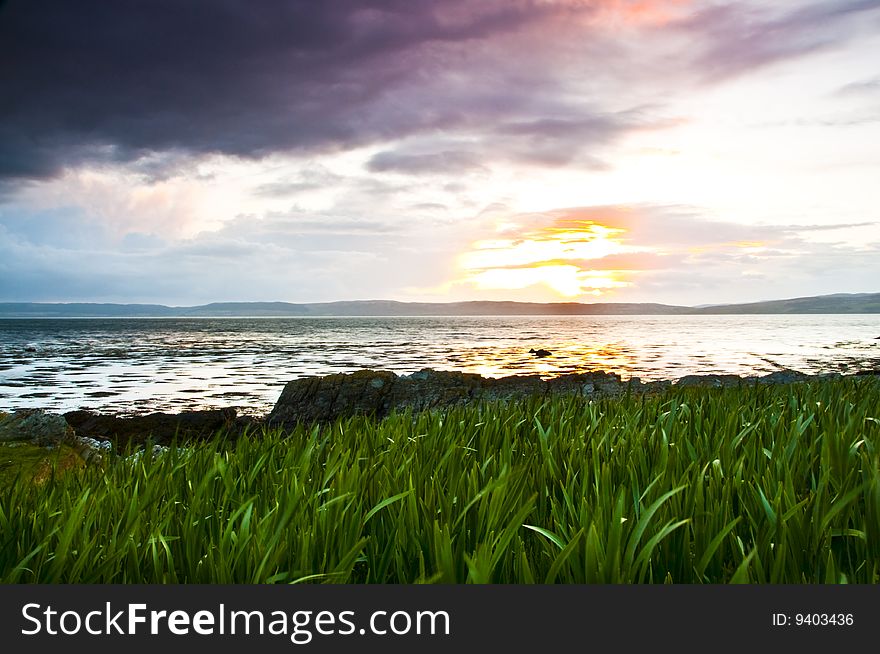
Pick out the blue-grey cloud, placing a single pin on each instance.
(293, 257)
(446, 162)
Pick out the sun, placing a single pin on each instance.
(565, 257)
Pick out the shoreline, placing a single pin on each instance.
(134, 370)
(325, 399)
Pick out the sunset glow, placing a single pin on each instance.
(563, 257)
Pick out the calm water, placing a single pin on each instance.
(142, 365)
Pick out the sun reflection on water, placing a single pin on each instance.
(565, 358)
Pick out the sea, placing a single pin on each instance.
(133, 366)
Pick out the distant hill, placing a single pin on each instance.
(353, 308)
(838, 303)
(82, 310)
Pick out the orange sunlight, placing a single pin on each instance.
(642, 12)
(564, 257)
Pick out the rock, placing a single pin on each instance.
(656, 387)
(865, 373)
(91, 450)
(715, 381)
(160, 428)
(588, 383)
(35, 426)
(152, 453)
(320, 399)
(379, 392)
(25, 462)
(784, 377)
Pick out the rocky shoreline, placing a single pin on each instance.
(324, 399)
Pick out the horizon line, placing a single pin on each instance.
(431, 302)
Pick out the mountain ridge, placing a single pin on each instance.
(834, 303)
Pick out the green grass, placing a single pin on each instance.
(764, 485)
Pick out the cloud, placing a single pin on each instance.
(244, 261)
(658, 253)
(735, 38)
(862, 87)
(556, 141)
(309, 179)
(149, 85)
(561, 136)
(446, 162)
(154, 83)
(293, 255)
(830, 228)
(669, 254)
(120, 81)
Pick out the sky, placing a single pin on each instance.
(186, 152)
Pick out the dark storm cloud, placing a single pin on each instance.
(158, 82)
(115, 81)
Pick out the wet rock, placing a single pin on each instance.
(160, 428)
(379, 392)
(35, 426)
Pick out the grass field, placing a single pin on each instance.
(768, 484)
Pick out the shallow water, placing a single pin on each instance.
(140, 365)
